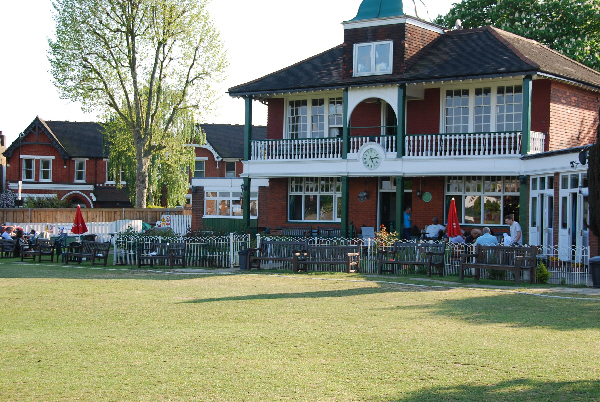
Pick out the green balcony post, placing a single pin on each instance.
(248, 129)
(401, 129)
(345, 207)
(399, 204)
(247, 156)
(345, 129)
(526, 129)
(523, 207)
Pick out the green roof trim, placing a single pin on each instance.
(370, 9)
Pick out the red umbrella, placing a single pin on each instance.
(453, 228)
(79, 226)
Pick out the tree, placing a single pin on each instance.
(571, 27)
(147, 66)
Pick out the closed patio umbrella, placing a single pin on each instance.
(79, 226)
(453, 228)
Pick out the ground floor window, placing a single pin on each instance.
(315, 199)
(483, 200)
(228, 204)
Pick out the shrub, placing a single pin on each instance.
(385, 238)
(7, 199)
(46, 202)
(542, 275)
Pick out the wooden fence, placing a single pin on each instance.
(51, 215)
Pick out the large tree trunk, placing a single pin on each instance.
(141, 177)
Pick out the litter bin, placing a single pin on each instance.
(595, 268)
(244, 258)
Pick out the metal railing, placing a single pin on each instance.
(223, 251)
(416, 145)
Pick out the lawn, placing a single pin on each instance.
(76, 333)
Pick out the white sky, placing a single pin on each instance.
(261, 36)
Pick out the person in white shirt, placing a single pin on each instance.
(432, 232)
(6, 234)
(516, 234)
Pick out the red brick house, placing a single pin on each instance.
(63, 159)
(216, 182)
(405, 113)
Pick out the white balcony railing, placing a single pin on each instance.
(419, 145)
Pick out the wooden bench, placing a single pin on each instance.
(41, 248)
(412, 254)
(270, 250)
(514, 259)
(329, 255)
(297, 231)
(156, 252)
(90, 250)
(8, 248)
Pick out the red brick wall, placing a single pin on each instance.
(272, 204)
(275, 119)
(416, 39)
(366, 115)
(540, 106)
(573, 116)
(197, 209)
(423, 212)
(424, 115)
(362, 213)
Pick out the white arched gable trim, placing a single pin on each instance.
(357, 95)
(212, 150)
(81, 194)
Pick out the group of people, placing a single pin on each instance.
(484, 236)
(10, 233)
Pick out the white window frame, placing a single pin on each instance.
(49, 170)
(471, 87)
(373, 70)
(299, 186)
(32, 170)
(308, 118)
(227, 172)
(76, 163)
(203, 160)
(464, 192)
(233, 197)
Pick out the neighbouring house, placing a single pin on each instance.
(405, 113)
(63, 159)
(216, 185)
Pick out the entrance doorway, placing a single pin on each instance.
(387, 203)
(573, 237)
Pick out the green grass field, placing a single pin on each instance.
(76, 333)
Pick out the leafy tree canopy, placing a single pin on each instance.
(148, 67)
(568, 26)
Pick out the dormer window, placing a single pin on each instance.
(373, 58)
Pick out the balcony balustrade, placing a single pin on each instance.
(415, 145)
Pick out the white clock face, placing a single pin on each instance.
(371, 158)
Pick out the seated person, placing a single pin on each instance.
(435, 231)
(487, 239)
(458, 239)
(475, 233)
(7, 233)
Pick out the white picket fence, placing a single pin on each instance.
(205, 251)
(105, 230)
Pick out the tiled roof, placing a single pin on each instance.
(228, 139)
(470, 53)
(80, 139)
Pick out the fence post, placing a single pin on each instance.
(231, 251)
(115, 249)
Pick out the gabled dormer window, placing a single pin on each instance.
(373, 58)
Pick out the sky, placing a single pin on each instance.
(261, 37)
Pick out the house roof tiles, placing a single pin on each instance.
(228, 139)
(470, 53)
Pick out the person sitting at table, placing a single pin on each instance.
(435, 231)
(475, 233)
(7, 233)
(487, 239)
(458, 239)
(21, 243)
